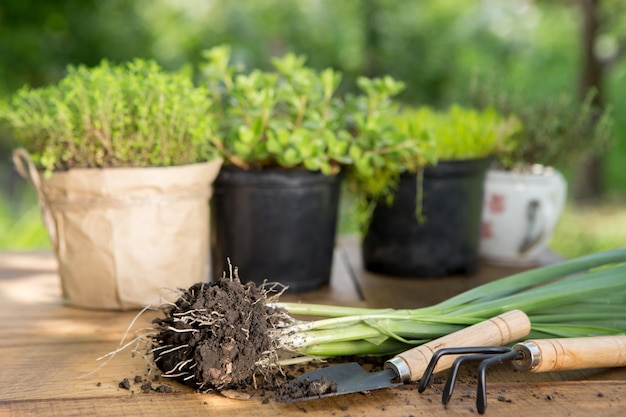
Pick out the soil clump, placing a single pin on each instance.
(305, 388)
(215, 334)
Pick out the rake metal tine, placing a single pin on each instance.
(481, 390)
(454, 371)
(454, 351)
(432, 363)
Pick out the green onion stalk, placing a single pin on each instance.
(585, 296)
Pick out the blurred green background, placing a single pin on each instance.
(440, 48)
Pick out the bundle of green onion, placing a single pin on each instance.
(585, 296)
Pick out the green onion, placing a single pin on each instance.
(585, 296)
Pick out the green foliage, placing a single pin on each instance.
(293, 116)
(20, 223)
(134, 114)
(458, 132)
(47, 36)
(422, 136)
(590, 228)
(556, 131)
(382, 151)
(289, 117)
(615, 176)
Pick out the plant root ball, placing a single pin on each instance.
(214, 335)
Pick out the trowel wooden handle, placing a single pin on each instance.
(544, 355)
(497, 331)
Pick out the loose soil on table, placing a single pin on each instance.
(305, 388)
(214, 335)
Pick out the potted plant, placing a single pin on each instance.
(524, 191)
(288, 136)
(122, 162)
(427, 223)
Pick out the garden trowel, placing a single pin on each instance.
(410, 365)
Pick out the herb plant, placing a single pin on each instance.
(293, 116)
(556, 131)
(459, 132)
(420, 137)
(130, 115)
(381, 150)
(288, 118)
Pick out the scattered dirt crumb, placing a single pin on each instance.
(146, 386)
(304, 388)
(124, 383)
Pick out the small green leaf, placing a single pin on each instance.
(291, 157)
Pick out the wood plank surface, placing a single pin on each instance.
(48, 351)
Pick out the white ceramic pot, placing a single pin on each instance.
(520, 213)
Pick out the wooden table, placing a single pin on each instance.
(46, 347)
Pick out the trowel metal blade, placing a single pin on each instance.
(350, 377)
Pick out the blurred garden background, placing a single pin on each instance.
(444, 50)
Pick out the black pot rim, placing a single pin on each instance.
(455, 167)
(273, 177)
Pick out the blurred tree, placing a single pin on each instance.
(603, 44)
(39, 39)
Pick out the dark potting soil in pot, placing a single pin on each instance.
(446, 240)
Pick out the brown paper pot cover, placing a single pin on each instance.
(128, 237)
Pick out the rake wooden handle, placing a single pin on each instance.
(497, 331)
(545, 355)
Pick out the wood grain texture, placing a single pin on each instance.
(47, 349)
(573, 353)
(501, 330)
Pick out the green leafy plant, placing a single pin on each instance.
(422, 137)
(381, 150)
(134, 114)
(293, 116)
(289, 117)
(556, 131)
(459, 132)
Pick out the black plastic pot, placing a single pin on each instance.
(446, 240)
(275, 224)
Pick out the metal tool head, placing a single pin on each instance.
(487, 355)
(345, 379)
